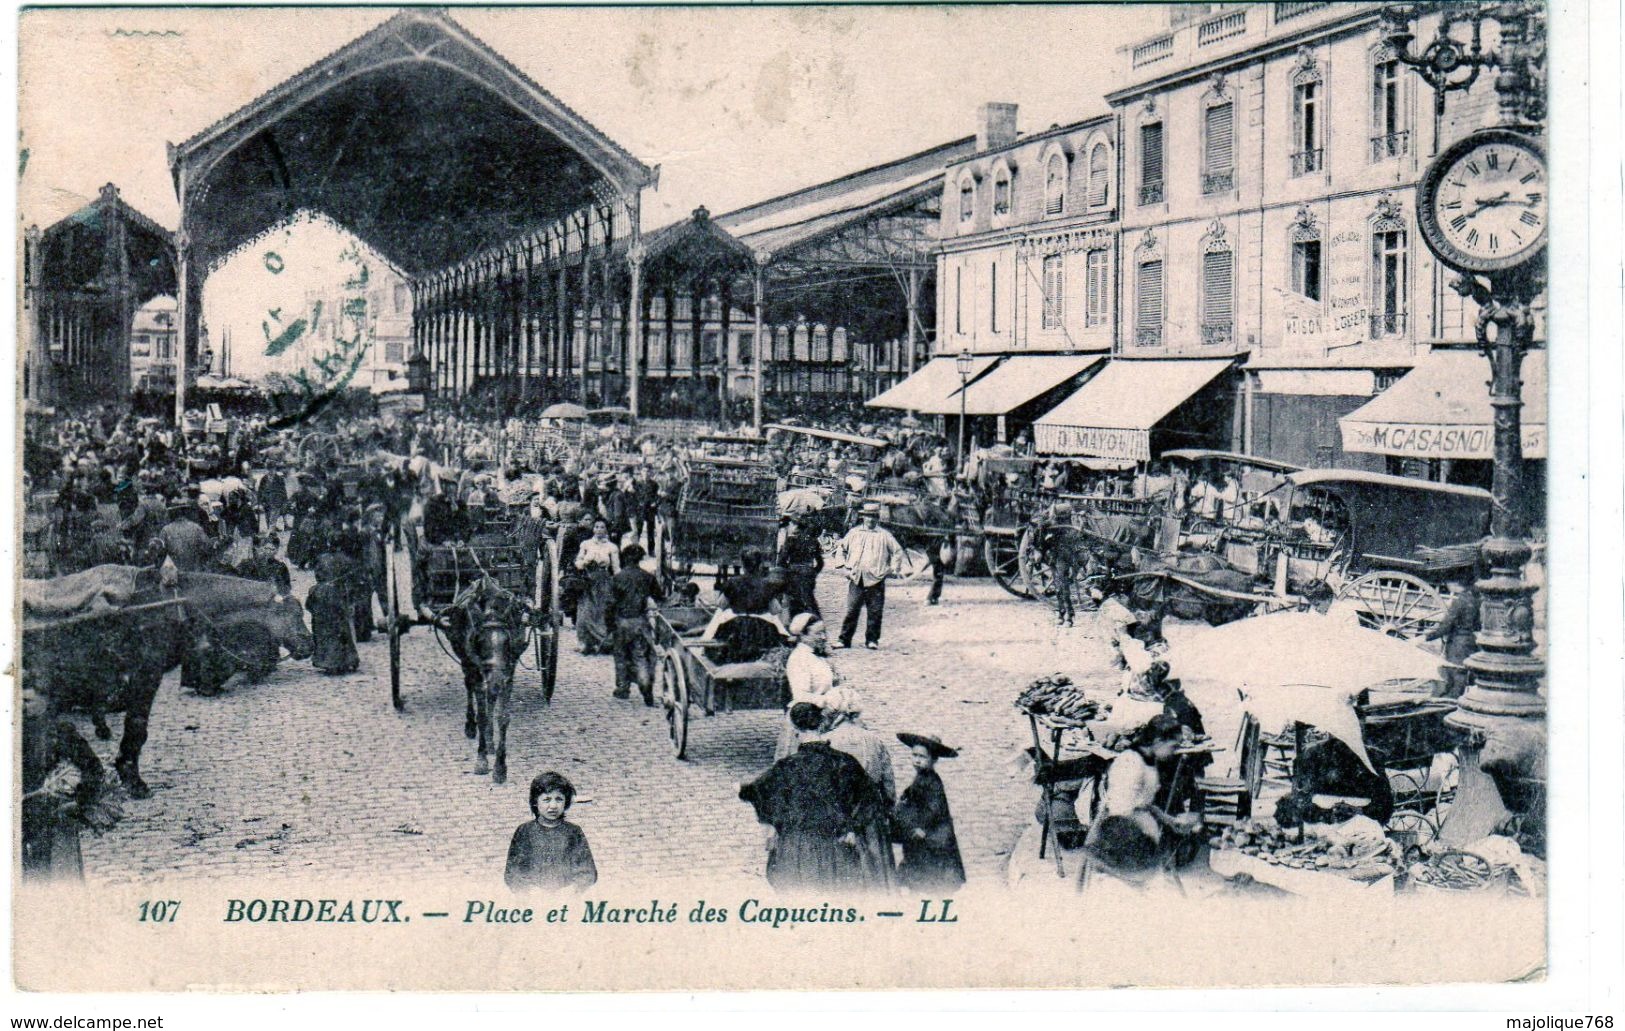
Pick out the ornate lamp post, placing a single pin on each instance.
(964, 363)
(1504, 271)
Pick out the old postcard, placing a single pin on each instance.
(821, 498)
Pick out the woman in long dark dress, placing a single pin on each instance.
(817, 801)
(329, 606)
(922, 824)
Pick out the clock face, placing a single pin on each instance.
(1486, 201)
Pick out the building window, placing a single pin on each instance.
(1388, 281)
(1218, 297)
(1099, 186)
(993, 297)
(1307, 152)
(747, 348)
(1054, 290)
(1096, 289)
(1148, 304)
(1001, 194)
(820, 344)
(1219, 148)
(1151, 163)
(1389, 136)
(1306, 269)
(1055, 185)
(394, 351)
(967, 200)
(403, 297)
(959, 299)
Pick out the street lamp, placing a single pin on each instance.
(1503, 699)
(964, 363)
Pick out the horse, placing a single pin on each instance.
(488, 627)
(118, 661)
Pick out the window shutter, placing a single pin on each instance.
(1217, 298)
(1151, 153)
(1097, 176)
(1097, 288)
(1220, 138)
(1054, 291)
(1055, 186)
(1150, 294)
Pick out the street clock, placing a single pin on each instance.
(1482, 204)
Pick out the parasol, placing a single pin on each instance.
(564, 410)
(1297, 667)
(1299, 648)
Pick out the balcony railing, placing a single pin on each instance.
(1390, 145)
(1288, 11)
(1387, 324)
(1148, 336)
(1151, 193)
(1306, 161)
(1153, 51)
(1218, 334)
(1222, 28)
(1218, 182)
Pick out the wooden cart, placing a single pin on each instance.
(530, 571)
(686, 676)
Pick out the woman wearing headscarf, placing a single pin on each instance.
(922, 824)
(845, 732)
(818, 802)
(809, 672)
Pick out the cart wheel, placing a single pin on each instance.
(541, 597)
(394, 631)
(673, 689)
(1398, 604)
(1003, 557)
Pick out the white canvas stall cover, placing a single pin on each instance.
(1020, 379)
(1441, 409)
(1112, 415)
(929, 388)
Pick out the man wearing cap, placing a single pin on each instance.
(804, 559)
(871, 555)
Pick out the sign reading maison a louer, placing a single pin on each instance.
(1095, 441)
(1420, 440)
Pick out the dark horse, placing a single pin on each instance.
(117, 658)
(488, 627)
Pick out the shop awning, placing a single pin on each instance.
(1112, 415)
(1020, 379)
(928, 389)
(1441, 409)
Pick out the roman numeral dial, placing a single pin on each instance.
(1483, 202)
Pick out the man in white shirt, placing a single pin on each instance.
(871, 555)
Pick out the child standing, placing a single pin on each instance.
(550, 852)
(922, 824)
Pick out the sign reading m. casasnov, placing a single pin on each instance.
(1422, 440)
(1096, 441)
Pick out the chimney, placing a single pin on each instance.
(995, 125)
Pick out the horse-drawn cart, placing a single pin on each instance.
(727, 504)
(688, 675)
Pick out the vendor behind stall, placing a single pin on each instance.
(1332, 783)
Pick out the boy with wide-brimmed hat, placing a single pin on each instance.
(922, 824)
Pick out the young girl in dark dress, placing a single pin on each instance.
(550, 852)
(922, 824)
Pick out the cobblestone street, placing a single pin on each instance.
(306, 775)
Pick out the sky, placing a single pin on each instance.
(734, 104)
